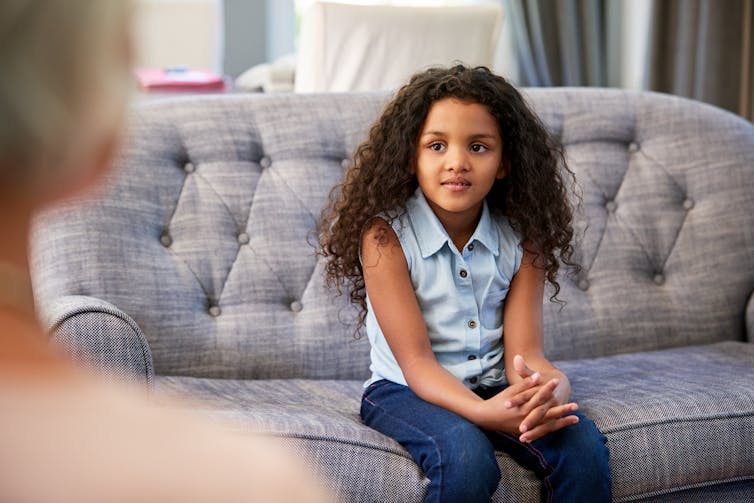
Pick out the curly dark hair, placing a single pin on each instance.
(533, 195)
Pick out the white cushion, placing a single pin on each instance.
(378, 47)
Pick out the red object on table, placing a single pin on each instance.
(178, 79)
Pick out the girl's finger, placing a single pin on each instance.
(520, 366)
(521, 398)
(534, 418)
(543, 395)
(547, 427)
(524, 385)
(561, 410)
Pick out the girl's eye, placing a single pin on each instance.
(478, 147)
(437, 147)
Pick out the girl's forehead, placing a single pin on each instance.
(452, 113)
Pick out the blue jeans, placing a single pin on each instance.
(458, 457)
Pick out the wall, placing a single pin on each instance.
(179, 32)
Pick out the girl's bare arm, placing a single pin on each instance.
(523, 335)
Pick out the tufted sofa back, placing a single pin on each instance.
(204, 234)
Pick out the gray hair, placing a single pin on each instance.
(64, 86)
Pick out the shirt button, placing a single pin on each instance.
(473, 380)
(472, 324)
(470, 247)
(165, 239)
(243, 238)
(296, 306)
(472, 357)
(463, 273)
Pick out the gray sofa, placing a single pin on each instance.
(195, 271)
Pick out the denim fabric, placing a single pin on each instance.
(460, 293)
(459, 459)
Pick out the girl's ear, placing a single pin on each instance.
(502, 171)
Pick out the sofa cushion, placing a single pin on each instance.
(659, 410)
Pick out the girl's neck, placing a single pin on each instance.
(459, 226)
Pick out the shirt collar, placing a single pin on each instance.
(431, 235)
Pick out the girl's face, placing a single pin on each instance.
(459, 157)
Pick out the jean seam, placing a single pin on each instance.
(542, 462)
(415, 428)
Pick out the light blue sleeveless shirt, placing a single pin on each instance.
(460, 293)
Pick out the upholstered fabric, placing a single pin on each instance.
(660, 225)
(658, 415)
(99, 335)
(750, 319)
(203, 240)
(207, 238)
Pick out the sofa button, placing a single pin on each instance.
(296, 306)
(165, 239)
(688, 204)
(345, 163)
(584, 284)
(189, 167)
(265, 162)
(243, 238)
(472, 324)
(633, 147)
(611, 206)
(214, 311)
(659, 279)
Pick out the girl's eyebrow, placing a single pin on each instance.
(474, 136)
(485, 135)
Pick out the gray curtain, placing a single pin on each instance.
(566, 42)
(702, 49)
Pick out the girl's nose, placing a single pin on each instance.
(457, 159)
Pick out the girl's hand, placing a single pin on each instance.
(535, 416)
(563, 390)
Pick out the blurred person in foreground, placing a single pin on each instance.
(64, 435)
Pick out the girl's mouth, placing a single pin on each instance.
(456, 184)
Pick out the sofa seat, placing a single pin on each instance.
(660, 407)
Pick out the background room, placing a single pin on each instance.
(698, 49)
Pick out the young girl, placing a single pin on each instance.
(451, 218)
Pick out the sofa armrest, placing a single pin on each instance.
(99, 335)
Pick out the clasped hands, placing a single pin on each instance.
(529, 408)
